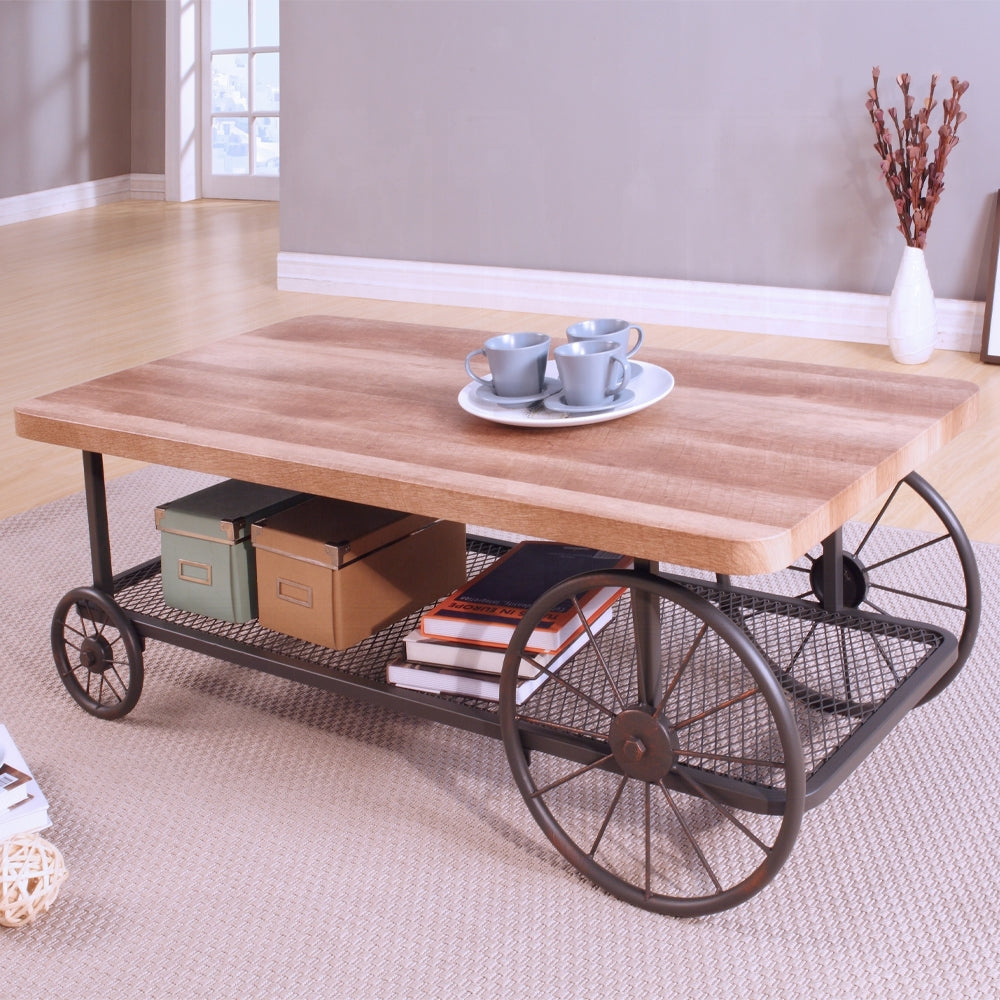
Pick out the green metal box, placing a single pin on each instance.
(206, 558)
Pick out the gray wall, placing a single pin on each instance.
(148, 99)
(82, 86)
(719, 141)
(711, 140)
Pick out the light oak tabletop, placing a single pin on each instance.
(744, 466)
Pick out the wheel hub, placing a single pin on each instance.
(95, 654)
(643, 745)
(853, 574)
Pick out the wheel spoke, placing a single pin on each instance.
(845, 668)
(886, 659)
(908, 552)
(649, 835)
(878, 519)
(69, 628)
(601, 659)
(685, 660)
(106, 683)
(538, 792)
(722, 706)
(938, 602)
(121, 681)
(730, 759)
(558, 678)
(704, 793)
(690, 836)
(608, 814)
(868, 602)
(802, 645)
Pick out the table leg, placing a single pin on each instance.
(97, 522)
(648, 639)
(833, 571)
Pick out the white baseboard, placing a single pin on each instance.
(38, 204)
(147, 187)
(846, 316)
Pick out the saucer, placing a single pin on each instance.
(650, 387)
(559, 405)
(484, 394)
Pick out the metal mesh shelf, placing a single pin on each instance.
(139, 593)
(841, 672)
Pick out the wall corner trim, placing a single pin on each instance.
(822, 315)
(38, 204)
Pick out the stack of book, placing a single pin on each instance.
(461, 643)
(23, 808)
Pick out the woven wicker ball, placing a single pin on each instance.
(31, 872)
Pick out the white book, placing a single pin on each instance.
(432, 678)
(31, 813)
(463, 656)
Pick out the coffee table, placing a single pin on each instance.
(757, 654)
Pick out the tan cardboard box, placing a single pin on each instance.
(333, 573)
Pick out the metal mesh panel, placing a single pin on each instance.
(140, 592)
(836, 671)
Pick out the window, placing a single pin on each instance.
(241, 99)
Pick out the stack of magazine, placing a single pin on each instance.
(461, 643)
(23, 808)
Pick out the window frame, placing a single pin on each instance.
(252, 186)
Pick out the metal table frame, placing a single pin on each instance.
(130, 602)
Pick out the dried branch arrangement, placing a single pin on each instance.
(914, 181)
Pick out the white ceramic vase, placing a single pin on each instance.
(911, 322)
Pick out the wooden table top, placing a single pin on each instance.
(743, 467)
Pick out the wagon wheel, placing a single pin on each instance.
(662, 760)
(98, 653)
(877, 567)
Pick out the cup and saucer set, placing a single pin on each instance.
(591, 378)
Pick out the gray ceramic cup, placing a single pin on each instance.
(517, 363)
(618, 330)
(591, 372)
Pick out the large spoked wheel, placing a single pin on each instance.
(662, 760)
(98, 653)
(935, 581)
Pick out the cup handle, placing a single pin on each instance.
(623, 381)
(638, 342)
(472, 374)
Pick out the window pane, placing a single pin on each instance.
(230, 146)
(229, 83)
(230, 24)
(265, 22)
(266, 93)
(265, 147)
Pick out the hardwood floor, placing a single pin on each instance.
(97, 290)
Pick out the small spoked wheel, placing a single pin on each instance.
(662, 760)
(934, 580)
(97, 652)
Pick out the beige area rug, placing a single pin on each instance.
(242, 836)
